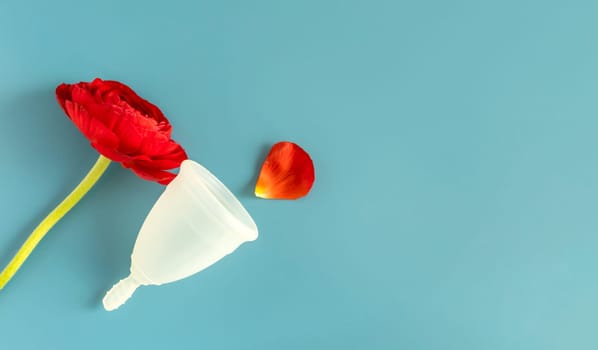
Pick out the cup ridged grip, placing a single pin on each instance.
(120, 293)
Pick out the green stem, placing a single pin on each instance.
(40, 231)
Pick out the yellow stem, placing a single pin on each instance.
(40, 231)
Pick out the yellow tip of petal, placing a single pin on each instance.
(260, 193)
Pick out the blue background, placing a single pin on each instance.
(457, 173)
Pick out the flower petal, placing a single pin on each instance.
(287, 173)
(160, 176)
(95, 131)
(167, 161)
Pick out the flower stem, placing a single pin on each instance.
(64, 207)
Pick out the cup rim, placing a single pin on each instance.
(227, 201)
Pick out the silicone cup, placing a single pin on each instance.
(195, 222)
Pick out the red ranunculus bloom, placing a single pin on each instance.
(123, 127)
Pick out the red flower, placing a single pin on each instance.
(123, 127)
(287, 173)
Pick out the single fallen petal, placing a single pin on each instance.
(287, 173)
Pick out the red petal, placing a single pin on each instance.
(95, 131)
(134, 100)
(167, 161)
(287, 173)
(63, 93)
(160, 176)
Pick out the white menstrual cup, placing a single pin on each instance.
(195, 222)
